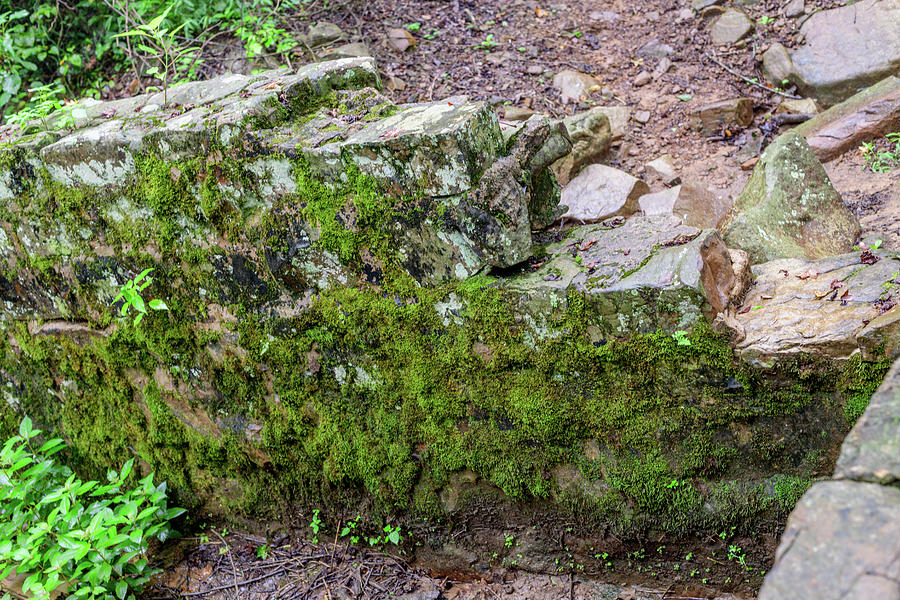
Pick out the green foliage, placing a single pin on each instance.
(161, 44)
(72, 46)
(882, 160)
(45, 101)
(62, 531)
(130, 295)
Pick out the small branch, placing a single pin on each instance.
(748, 80)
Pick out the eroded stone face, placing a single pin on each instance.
(646, 273)
(831, 307)
(789, 207)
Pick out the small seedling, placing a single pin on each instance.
(765, 20)
(130, 295)
(315, 525)
(262, 552)
(413, 26)
(488, 42)
(681, 337)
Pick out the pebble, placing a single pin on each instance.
(534, 69)
(642, 116)
(643, 78)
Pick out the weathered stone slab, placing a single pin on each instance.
(440, 148)
(646, 273)
(789, 207)
(846, 49)
(817, 307)
(600, 192)
(694, 204)
(871, 113)
(733, 25)
(591, 137)
(871, 451)
(842, 542)
(733, 112)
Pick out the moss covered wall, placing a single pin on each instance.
(301, 362)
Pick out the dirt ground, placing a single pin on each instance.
(506, 52)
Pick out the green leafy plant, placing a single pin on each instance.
(162, 45)
(765, 20)
(58, 531)
(45, 101)
(681, 337)
(349, 528)
(882, 161)
(262, 552)
(315, 525)
(413, 26)
(130, 295)
(488, 42)
(392, 535)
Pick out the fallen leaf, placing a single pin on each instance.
(835, 284)
(820, 295)
(744, 310)
(587, 244)
(766, 296)
(783, 271)
(810, 273)
(867, 258)
(885, 304)
(540, 13)
(108, 114)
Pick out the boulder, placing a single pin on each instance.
(591, 137)
(600, 192)
(663, 169)
(323, 33)
(711, 118)
(871, 113)
(789, 207)
(732, 26)
(871, 451)
(694, 204)
(845, 50)
(574, 86)
(841, 543)
(686, 271)
(827, 308)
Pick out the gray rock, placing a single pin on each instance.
(600, 192)
(732, 26)
(574, 86)
(655, 49)
(711, 118)
(694, 204)
(323, 33)
(869, 114)
(642, 116)
(354, 50)
(663, 168)
(777, 65)
(618, 119)
(871, 451)
(701, 4)
(794, 8)
(789, 207)
(845, 50)
(796, 309)
(842, 542)
(687, 270)
(591, 137)
(642, 79)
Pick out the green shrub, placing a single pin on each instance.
(60, 530)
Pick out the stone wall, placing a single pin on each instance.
(361, 317)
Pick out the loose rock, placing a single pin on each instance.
(574, 86)
(866, 115)
(591, 137)
(733, 25)
(600, 192)
(789, 207)
(734, 112)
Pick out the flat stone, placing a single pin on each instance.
(799, 306)
(794, 8)
(789, 207)
(701, 4)
(803, 106)
(732, 26)
(842, 542)
(574, 86)
(777, 66)
(688, 272)
(618, 116)
(663, 168)
(515, 113)
(354, 50)
(591, 136)
(847, 49)
(869, 114)
(600, 192)
(642, 116)
(695, 205)
(439, 148)
(871, 451)
(655, 49)
(323, 33)
(709, 119)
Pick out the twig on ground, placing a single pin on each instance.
(747, 79)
